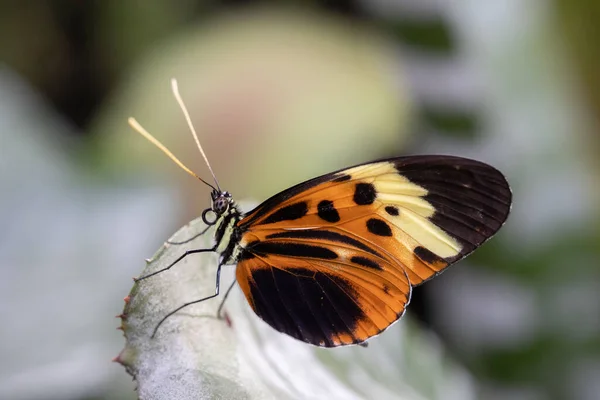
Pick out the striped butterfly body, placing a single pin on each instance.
(332, 261)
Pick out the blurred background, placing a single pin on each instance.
(281, 92)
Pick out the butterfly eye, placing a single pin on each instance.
(221, 203)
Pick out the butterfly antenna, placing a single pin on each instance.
(139, 129)
(175, 88)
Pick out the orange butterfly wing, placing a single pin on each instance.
(321, 301)
(331, 261)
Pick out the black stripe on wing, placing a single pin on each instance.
(290, 249)
(472, 199)
(325, 235)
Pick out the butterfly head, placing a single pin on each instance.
(220, 201)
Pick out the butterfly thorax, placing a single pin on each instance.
(227, 234)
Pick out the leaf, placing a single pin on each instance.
(194, 355)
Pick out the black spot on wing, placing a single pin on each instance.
(275, 200)
(310, 306)
(327, 211)
(323, 235)
(288, 213)
(378, 227)
(365, 262)
(391, 210)
(291, 250)
(364, 194)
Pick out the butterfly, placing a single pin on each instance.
(332, 261)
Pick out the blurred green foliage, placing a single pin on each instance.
(424, 35)
(580, 20)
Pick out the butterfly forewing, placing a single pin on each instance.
(331, 261)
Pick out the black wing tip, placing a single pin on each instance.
(472, 199)
(493, 176)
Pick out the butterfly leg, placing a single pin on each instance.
(187, 253)
(192, 238)
(192, 302)
(219, 316)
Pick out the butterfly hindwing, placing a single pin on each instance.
(355, 233)
(326, 302)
